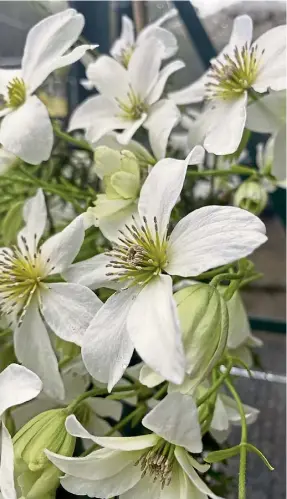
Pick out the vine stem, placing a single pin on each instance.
(96, 392)
(216, 385)
(243, 442)
(239, 170)
(81, 144)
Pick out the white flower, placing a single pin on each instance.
(241, 66)
(26, 130)
(129, 98)
(17, 385)
(268, 115)
(124, 46)
(25, 292)
(155, 466)
(143, 314)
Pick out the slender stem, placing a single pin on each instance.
(240, 170)
(94, 392)
(81, 144)
(243, 442)
(216, 385)
(160, 392)
(212, 273)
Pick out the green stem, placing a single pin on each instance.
(227, 276)
(212, 273)
(243, 442)
(94, 393)
(160, 392)
(239, 170)
(81, 144)
(216, 385)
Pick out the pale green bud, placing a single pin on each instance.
(251, 196)
(203, 318)
(36, 475)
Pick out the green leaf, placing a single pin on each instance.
(12, 223)
(221, 455)
(252, 448)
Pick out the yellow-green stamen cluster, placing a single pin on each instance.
(140, 254)
(16, 93)
(21, 273)
(231, 75)
(133, 107)
(126, 55)
(158, 463)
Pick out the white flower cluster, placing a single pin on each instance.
(95, 315)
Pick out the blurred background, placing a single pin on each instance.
(202, 28)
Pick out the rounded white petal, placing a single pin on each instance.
(164, 74)
(33, 348)
(62, 248)
(69, 309)
(109, 77)
(272, 62)
(17, 385)
(145, 488)
(175, 419)
(212, 236)
(7, 487)
(105, 407)
(241, 31)
(27, 132)
(150, 378)
(130, 129)
(267, 115)
(47, 41)
(35, 218)
(107, 348)
(93, 108)
(110, 226)
(91, 273)
(144, 66)
(162, 118)
(225, 120)
(191, 94)
(162, 188)
(154, 329)
(239, 328)
(166, 37)
(251, 413)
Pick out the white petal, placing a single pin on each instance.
(35, 217)
(231, 408)
(191, 94)
(48, 40)
(130, 129)
(167, 39)
(226, 121)
(154, 329)
(164, 74)
(69, 309)
(144, 66)
(91, 273)
(17, 385)
(187, 489)
(115, 443)
(279, 161)
(163, 117)
(94, 108)
(7, 487)
(109, 77)
(105, 407)
(175, 419)
(241, 31)
(267, 114)
(126, 40)
(239, 328)
(27, 132)
(184, 461)
(162, 188)
(220, 418)
(107, 348)
(145, 488)
(108, 487)
(150, 378)
(33, 348)
(110, 226)
(62, 248)
(272, 65)
(212, 236)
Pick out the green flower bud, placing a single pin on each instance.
(36, 475)
(203, 317)
(251, 196)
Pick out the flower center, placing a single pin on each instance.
(236, 73)
(16, 93)
(140, 254)
(126, 55)
(158, 463)
(133, 107)
(21, 274)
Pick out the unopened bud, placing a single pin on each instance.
(251, 196)
(203, 317)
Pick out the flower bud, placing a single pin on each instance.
(36, 475)
(251, 196)
(203, 317)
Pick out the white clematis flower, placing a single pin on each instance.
(143, 314)
(268, 115)
(124, 46)
(17, 385)
(26, 296)
(130, 98)
(156, 466)
(241, 67)
(26, 129)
